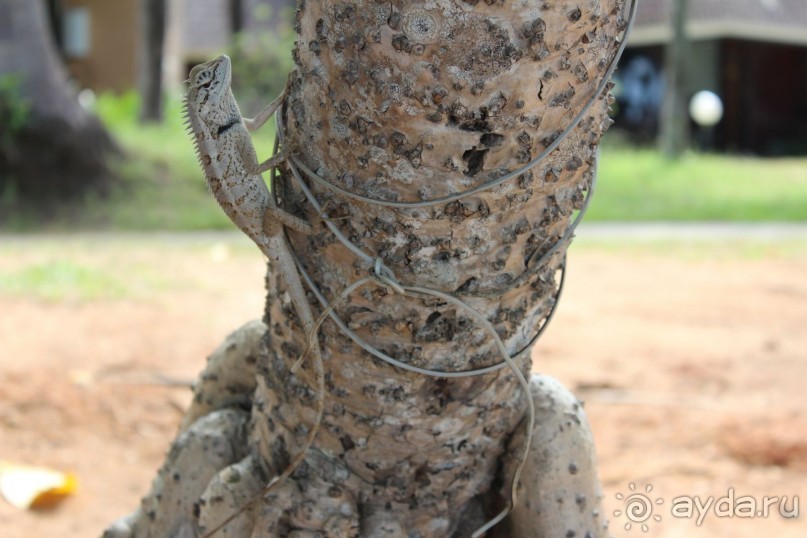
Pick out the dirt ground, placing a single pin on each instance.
(691, 358)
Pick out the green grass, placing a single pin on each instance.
(164, 187)
(87, 267)
(161, 185)
(642, 185)
(61, 280)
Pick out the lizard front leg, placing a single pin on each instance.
(269, 163)
(559, 493)
(249, 159)
(273, 216)
(253, 124)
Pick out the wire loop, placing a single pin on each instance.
(385, 275)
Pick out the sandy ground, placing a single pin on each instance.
(692, 360)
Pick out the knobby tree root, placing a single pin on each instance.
(216, 466)
(559, 493)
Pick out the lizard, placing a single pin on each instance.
(225, 150)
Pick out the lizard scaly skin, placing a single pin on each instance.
(231, 167)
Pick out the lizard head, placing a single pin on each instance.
(210, 98)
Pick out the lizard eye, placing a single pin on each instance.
(204, 79)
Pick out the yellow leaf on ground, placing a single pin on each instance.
(27, 487)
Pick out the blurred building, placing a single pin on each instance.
(100, 39)
(201, 29)
(751, 53)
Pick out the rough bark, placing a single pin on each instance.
(59, 150)
(409, 101)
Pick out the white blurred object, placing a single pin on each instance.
(86, 98)
(219, 253)
(706, 108)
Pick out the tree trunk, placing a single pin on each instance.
(56, 19)
(236, 16)
(674, 135)
(50, 148)
(410, 103)
(153, 15)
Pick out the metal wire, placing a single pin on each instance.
(384, 276)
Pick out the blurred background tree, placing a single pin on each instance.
(50, 147)
(674, 135)
(261, 61)
(153, 13)
(236, 15)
